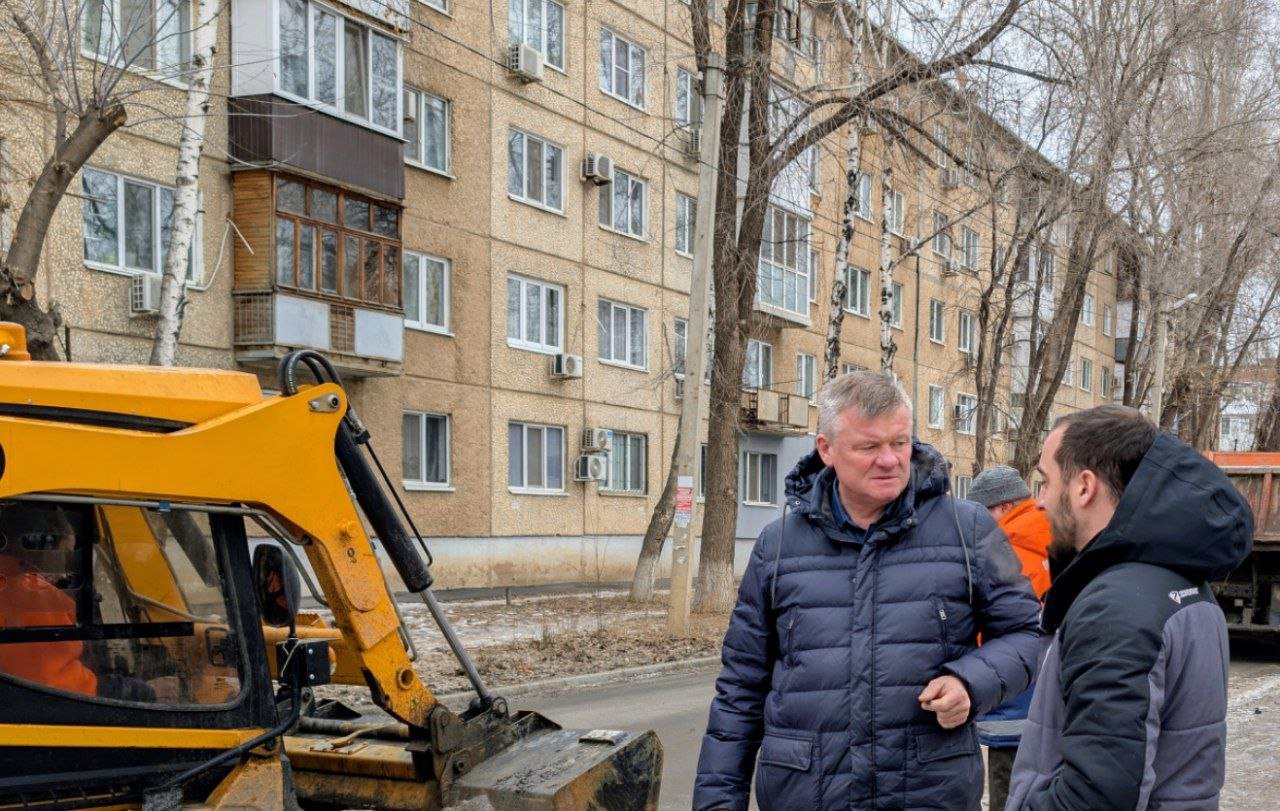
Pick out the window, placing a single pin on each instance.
(966, 413)
(681, 348)
(627, 469)
(759, 472)
(1106, 320)
(1086, 374)
(538, 24)
(972, 162)
(937, 402)
(815, 263)
(897, 212)
(426, 130)
(535, 170)
(686, 217)
(962, 486)
(688, 112)
(970, 246)
(624, 204)
(757, 371)
(535, 457)
(622, 334)
(896, 301)
(426, 292)
(806, 375)
(848, 368)
(156, 34)
(621, 68)
(784, 259)
(942, 234)
(1086, 310)
(786, 22)
(1104, 381)
(128, 223)
(858, 291)
(535, 315)
(940, 147)
(864, 195)
(332, 242)
(966, 332)
(937, 322)
(339, 63)
(438, 5)
(425, 449)
(1069, 374)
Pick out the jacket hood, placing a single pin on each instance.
(809, 483)
(1180, 511)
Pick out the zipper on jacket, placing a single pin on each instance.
(941, 612)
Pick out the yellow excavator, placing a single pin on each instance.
(153, 653)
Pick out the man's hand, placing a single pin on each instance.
(946, 696)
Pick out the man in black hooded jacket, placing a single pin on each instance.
(1130, 708)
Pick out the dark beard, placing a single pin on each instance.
(1064, 527)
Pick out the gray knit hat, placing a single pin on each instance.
(997, 485)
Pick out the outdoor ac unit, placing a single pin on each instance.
(597, 168)
(596, 440)
(525, 63)
(566, 366)
(679, 388)
(950, 178)
(693, 142)
(949, 267)
(144, 294)
(589, 468)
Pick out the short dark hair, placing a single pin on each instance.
(1110, 440)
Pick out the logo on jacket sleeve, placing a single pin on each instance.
(1179, 596)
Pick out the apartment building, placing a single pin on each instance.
(484, 216)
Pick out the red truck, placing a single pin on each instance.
(1250, 596)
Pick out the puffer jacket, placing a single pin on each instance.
(1130, 708)
(834, 637)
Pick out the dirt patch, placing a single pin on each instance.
(536, 638)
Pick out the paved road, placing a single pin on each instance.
(676, 708)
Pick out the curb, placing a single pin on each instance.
(562, 683)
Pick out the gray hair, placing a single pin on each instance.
(873, 394)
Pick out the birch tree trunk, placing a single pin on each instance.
(186, 198)
(840, 285)
(888, 349)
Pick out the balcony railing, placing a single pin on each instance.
(360, 341)
(774, 411)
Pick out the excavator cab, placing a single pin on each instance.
(150, 659)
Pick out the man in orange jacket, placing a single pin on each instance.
(1006, 496)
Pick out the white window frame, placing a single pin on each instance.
(763, 487)
(179, 28)
(1104, 381)
(806, 375)
(422, 483)
(963, 483)
(680, 347)
(544, 346)
(630, 313)
(607, 211)
(1108, 324)
(441, 6)
(420, 99)
(897, 213)
(446, 271)
(624, 444)
(966, 331)
(896, 294)
(775, 267)
(864, 208)
(1086, 374)
(970, 247)
(937, 415)
(541, 42)
(686, 219)
(763, 366)
(545, 145)
(857, 299)
(1069, 374)
(937, 322)
(968, 425)
(940, 137)
(689, 114)
(524, 487)
(1086, 310)
(942, 234)
(339, 79)
(611, 90)
(195, 267)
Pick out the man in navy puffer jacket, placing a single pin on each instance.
(850, 664)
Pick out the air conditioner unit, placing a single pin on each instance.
(597, 168)
(525, 63)
(679, 388)
(693, 142)
(144, 294)
(596, 440)
(589, 468)
(950, 178)
(566, 366)
(949, 267)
